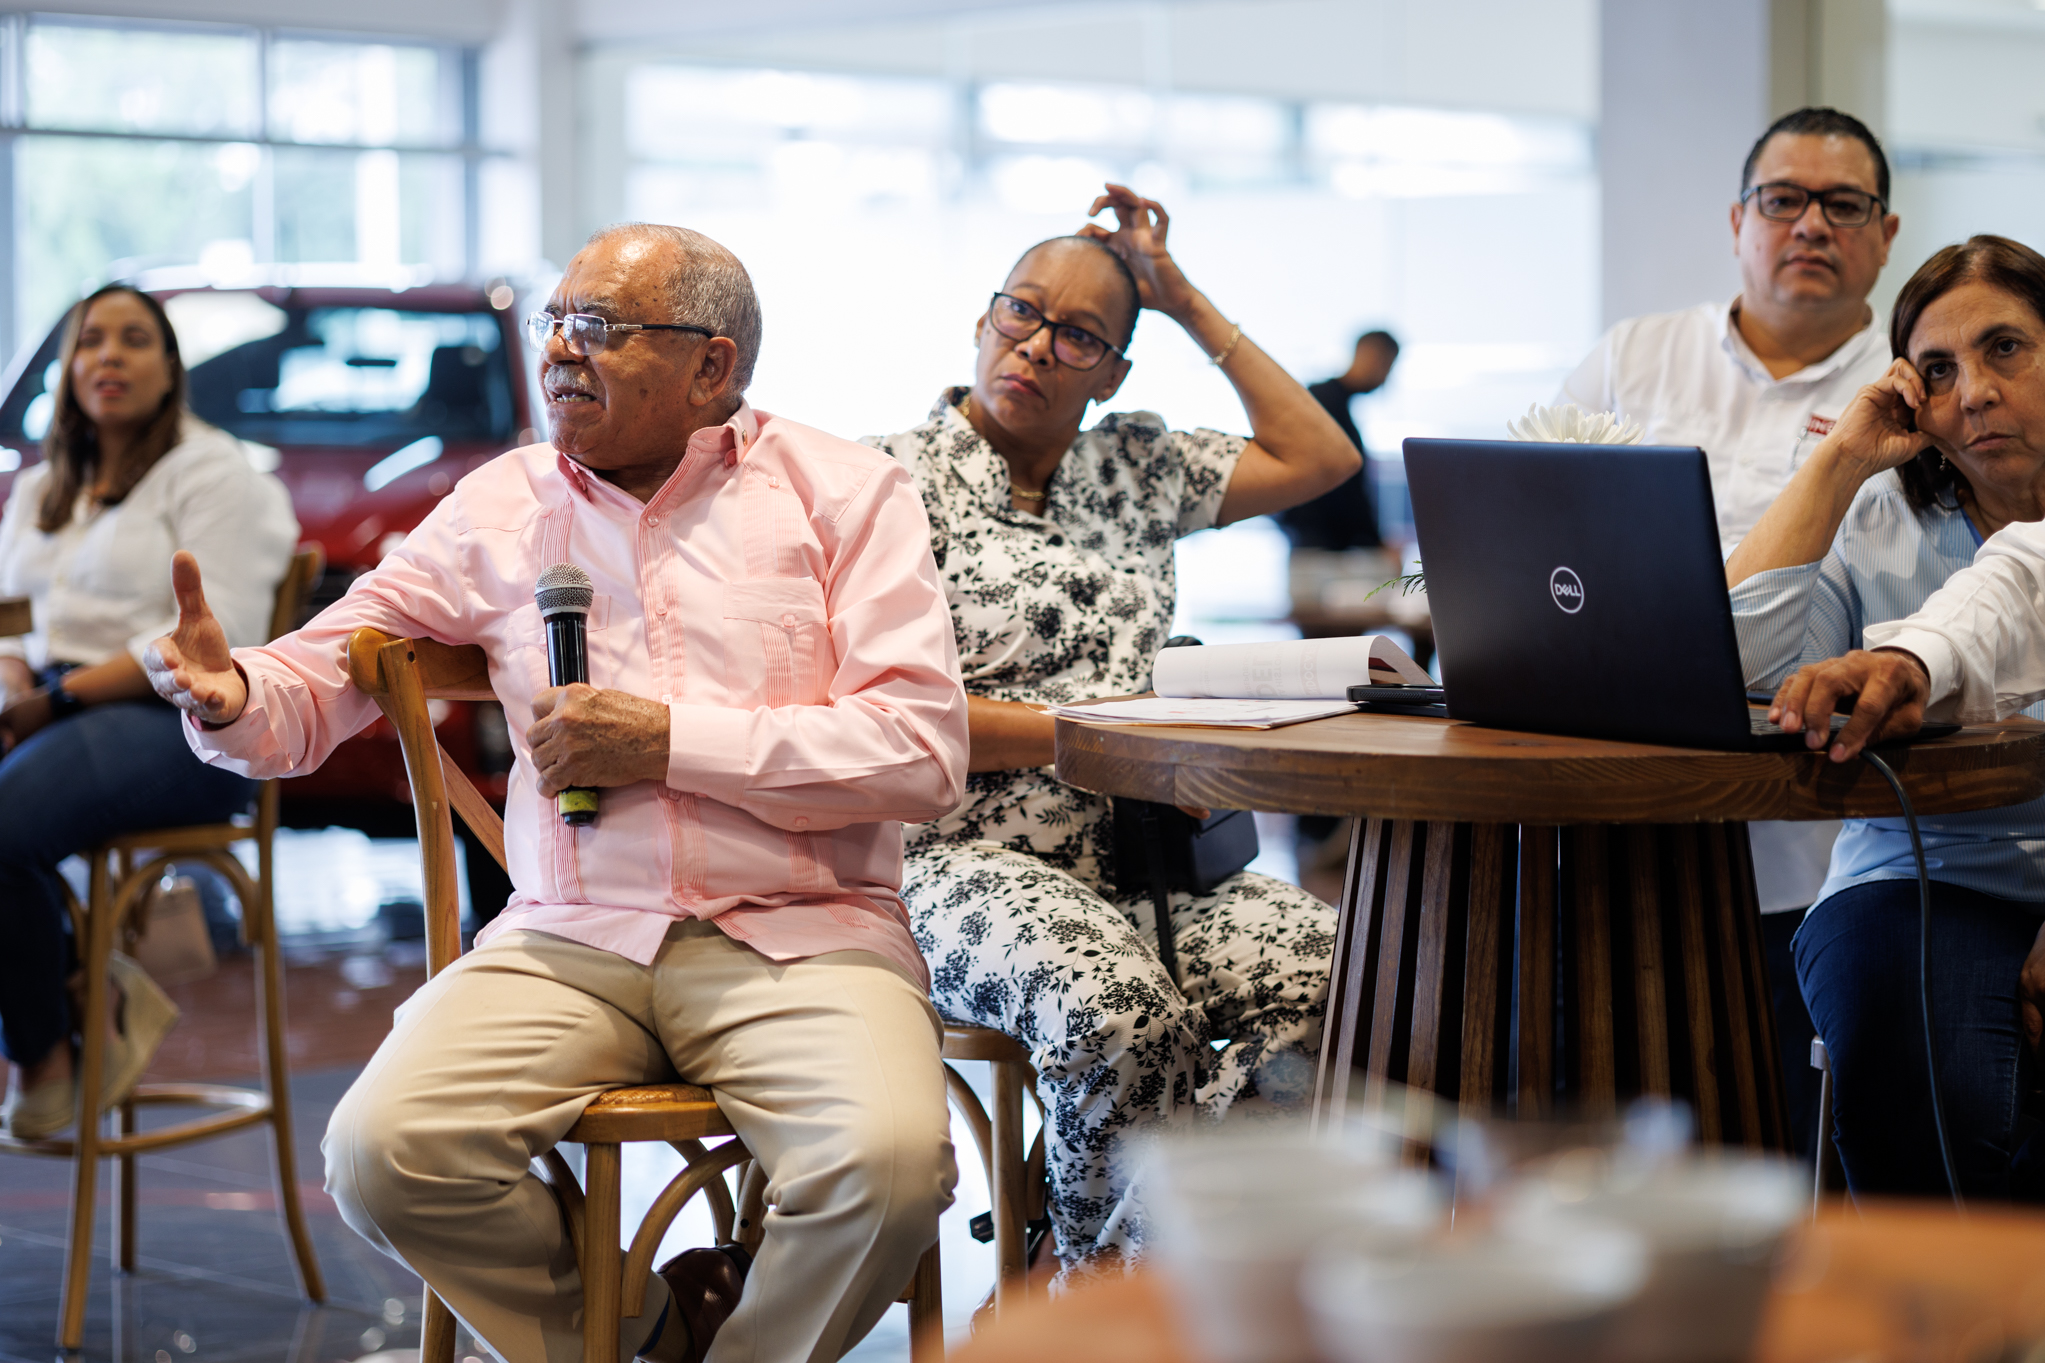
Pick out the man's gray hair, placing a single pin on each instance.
(708, 288)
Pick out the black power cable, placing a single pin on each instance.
(1938, 1114)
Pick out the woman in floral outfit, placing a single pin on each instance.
(1056, 546)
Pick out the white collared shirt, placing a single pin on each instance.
(1981, 636)
(1689, 378)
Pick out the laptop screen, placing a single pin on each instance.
(1578, 589)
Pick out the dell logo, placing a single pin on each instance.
(1567, 589)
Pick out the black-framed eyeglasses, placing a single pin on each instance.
(1074, 347)
(1781, 201)
(585, 333)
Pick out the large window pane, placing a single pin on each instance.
(141, 80)
(98, 206)
(378, 208)
(366, 93)
(1084, 115)
(705, 114)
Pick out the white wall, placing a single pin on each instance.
(1684, 89)
(1966, 127)
(1520, 56)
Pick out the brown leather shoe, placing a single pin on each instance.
(706, 1284)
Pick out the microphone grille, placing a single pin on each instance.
(564, 589)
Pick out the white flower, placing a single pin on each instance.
(1571, 424)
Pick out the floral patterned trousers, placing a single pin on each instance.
(1018, 945)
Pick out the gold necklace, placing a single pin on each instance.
(1014, 489)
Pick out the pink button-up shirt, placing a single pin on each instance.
(777, 595)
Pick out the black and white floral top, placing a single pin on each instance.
(1061, 607)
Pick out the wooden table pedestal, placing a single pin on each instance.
(1503, 966)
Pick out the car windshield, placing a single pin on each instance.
(358, 376)
(362, 377)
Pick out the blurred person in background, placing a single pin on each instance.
(1942, 452)
(1757, 383)
(1055, 548)
(1345, 518)
(128, 478)
(1336, 538)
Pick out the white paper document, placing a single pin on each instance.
(1217, 714)
(1257, 686)
(1286, 669)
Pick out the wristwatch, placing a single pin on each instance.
(62, 703)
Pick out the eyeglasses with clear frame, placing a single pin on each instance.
(585, 333)
(1074, 347)
(1781, 201)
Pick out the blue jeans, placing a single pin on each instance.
(1857, 956)
(110, 769)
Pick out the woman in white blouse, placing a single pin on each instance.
(1941, 452)
(128, 478)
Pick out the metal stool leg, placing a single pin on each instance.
(1829, 1175)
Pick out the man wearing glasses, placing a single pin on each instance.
(1757, 383)
(774, 687)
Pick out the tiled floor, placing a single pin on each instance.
(214, 1281)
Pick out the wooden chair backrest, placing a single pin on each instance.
(293, 591)
(401, 675)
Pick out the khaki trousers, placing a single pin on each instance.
(828, 1068)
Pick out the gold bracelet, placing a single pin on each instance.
(1235, 339)
(1026, 494)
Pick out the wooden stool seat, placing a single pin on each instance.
(656, 1112)
(963, 1041)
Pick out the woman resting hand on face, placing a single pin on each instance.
(1941, 452)
(128, 478)
(1055, 545)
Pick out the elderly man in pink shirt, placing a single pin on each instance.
(774, 687)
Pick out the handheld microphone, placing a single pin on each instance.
(564, 595)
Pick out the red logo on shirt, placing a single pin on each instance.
(1820, 425)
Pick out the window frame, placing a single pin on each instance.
(15, 26)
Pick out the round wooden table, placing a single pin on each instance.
(1529, 920)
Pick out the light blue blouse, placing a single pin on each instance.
(1884, 562)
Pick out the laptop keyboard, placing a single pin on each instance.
(1758, 723)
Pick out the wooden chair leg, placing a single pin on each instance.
(602, 1277)
(436, 1331)
(926, 1310)
(752, 1205)
(92, 1061)
(1011, 1273)
(262, 936)
(124, 1192)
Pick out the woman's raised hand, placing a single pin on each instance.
(1878, 429)
(191, 666)
(1139, 238)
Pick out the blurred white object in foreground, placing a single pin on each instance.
(1236, 1214)
(1548, 1293)
(1571, 424)
(1714, 1223)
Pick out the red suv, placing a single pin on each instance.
(369, 403)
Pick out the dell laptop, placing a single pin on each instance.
(1579, 589)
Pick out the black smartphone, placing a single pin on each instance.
(1401, 700)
